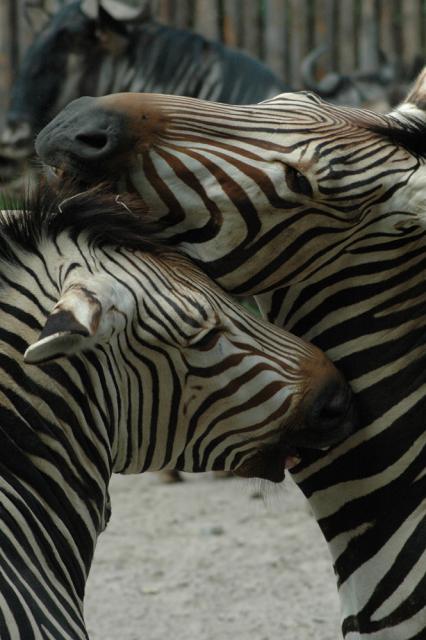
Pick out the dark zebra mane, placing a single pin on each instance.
(410, 134)
(106, 217)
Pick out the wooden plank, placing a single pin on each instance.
(298, 16)
(411, 31)
(164, 10)
(346, 36)
(5, 56)
(422, 21)
(368, 37)
(275, 35)
(386, 39)
(182, 14)
(325, 27)
(206, 19)
(251, 25)
(396, 33)
(232, 24)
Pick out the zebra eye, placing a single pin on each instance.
(207, 339)
(297, 182)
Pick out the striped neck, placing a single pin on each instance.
(53, 495)
(370, 318)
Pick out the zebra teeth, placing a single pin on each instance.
(59, 173)
(292, 461)
(53, 174)
(270, 462)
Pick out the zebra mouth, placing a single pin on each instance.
(270, 463)
(75, 175)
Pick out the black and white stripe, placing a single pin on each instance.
(319, 210)
(117, 355)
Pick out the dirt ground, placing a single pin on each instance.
(209, 559)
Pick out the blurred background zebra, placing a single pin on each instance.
(86, 50)
(356, 52)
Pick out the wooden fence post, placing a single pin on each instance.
(346, 35)
(369, 37)
(250, 33)
(411, 27)
(206, 19)
(276, 34)
(233, 22)
(6, 47)
(298, 39)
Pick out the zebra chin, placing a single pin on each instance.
(270, 463)
(332, 418)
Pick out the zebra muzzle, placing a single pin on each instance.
(270, 463)
(328, 418)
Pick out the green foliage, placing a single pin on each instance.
(10, 201)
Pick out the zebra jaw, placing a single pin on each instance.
(270, 463)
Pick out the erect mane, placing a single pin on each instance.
(106, 218)
(402, 128)
(410, 134)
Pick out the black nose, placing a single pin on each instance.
(330, 406)
(82, 132)
(91, 143)
(330, 415)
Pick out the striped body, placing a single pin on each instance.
(320, 211)
(141, 364)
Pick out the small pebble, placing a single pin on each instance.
(215, 530)
(150, 591)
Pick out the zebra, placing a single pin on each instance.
(137, 54)
(81, 52)
(319, 211)
(120, 355)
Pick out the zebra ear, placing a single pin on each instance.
(415, 102)
(406, 125)
(81, 318)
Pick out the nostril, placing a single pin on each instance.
(334, 408)
(330, 407)
(95, 139)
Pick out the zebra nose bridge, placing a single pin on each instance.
(98, 129)
(83, 131)
(115, 122)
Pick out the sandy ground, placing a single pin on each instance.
(208, 560)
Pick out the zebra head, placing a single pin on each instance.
(263, 195)
(120, 355)
(198, 382)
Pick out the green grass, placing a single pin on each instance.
(10, 200)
